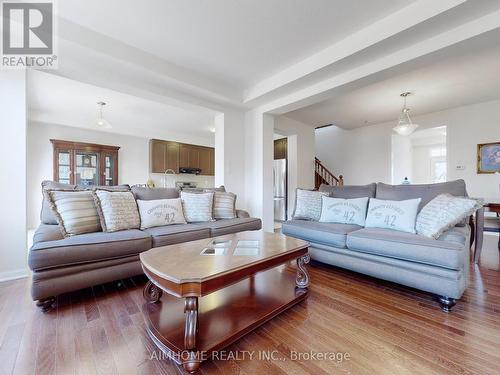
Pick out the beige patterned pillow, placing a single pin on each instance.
(197, 207)
(160, 212)
(308, 204)
(443, 213)
(224, 205)
(75, 211)
(117, 210)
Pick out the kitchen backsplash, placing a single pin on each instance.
(201, 181)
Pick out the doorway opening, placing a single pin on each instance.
(280, 179)
(420, 158)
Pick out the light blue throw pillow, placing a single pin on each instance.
(395, 215)
(344, 211)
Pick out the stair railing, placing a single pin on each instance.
(323, 176)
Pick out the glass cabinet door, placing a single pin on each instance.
(109, 170)
(85, 164)
(87, 168)
(64, 167)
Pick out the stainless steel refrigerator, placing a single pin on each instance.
(280, 194)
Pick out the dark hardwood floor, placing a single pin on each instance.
(384, 328)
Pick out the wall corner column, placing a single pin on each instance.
(13, 123)
(259, 130)
(230, 153)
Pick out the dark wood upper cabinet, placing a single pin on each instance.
(85, 163)
(158, 155)
(183, 156)
(280, 148)
(212, 162)
(204, 156)
(174, 155)
(194, 157)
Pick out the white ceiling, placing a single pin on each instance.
(235, 42)
(318, 61)
(58, 100)
(465, 74)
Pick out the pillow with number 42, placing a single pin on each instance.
(160, 212)
(343, 211)
(395, 215)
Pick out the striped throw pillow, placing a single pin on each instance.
(197, 206)
(224, 205)
(117, 210)
(75, 211)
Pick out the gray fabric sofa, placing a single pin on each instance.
(437, 266)
(61, 264)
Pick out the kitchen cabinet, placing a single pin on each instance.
(158, 156)
(194, 157)
(175, 155)
(280, 148)
(184, 155)
(205, 162)
(164, 155)
(172, 156)
(212, 162)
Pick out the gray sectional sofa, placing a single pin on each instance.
(61, 264)
(437, 266)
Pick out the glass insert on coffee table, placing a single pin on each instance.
(217, 290)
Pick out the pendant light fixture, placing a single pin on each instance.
(101, 122)
(405, 126)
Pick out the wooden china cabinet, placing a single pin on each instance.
(85, 163)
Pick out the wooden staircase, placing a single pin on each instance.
(323, 176)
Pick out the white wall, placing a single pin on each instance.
(401, 158)
(230, 153)
(363, 155)
(259, 129)
(133, 165)
(300, 155)
(13, 245)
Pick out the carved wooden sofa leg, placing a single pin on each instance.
(46, 304)
(447, 303)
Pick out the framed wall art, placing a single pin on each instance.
(488, 157)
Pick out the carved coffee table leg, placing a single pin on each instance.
(152, 293)
(302, 280)
(192, 363)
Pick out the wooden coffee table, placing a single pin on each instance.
(218, 290)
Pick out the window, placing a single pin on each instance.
(438, 151)
(438, 169)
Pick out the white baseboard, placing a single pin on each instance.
(14, 274)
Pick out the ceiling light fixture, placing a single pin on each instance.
(405, 126)
(101, 122)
